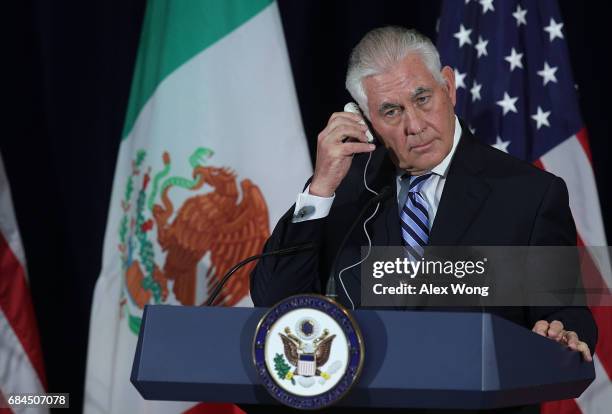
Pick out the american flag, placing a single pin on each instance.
(21, 361)
(515, 90)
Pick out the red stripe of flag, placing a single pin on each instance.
(593, 282)
(539, 164)
(560, 407)
(583, 139)
(209, 408)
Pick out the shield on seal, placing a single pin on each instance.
(307, 365)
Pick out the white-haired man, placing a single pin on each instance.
(467, 190)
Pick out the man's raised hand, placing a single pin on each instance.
(344, 136)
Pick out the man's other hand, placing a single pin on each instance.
(555, 331)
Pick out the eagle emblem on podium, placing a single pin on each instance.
(308, 351)
(307, 356)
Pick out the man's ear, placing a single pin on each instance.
(449, 78)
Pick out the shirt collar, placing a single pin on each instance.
(442, 168)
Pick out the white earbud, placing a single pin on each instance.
(353, 108)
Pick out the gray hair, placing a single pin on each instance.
(382, 48)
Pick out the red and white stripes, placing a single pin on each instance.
(21, 361)
(571, 160)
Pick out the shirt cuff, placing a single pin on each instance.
(311, 207)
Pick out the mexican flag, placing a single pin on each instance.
(213, 153)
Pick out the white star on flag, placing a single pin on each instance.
(486, 5)
(481, 46)
(514, 59)
(501, 145)
(541, 118)
(459, 79)
(519, 15)
(548, 73)
(508, 103)
(463, 35)
(472, 130)
(554, 30)
(475, 91)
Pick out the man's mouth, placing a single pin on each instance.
(421, 147)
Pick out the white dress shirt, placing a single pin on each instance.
(310, 207)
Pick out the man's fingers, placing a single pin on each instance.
(351, 148)
(555, 330)
(540, 327)
(346, 115)
(335, 149)
(583, 348)
(570, 338)
(575, 344)
(337, 131)
(341, 132)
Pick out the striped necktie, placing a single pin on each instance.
(415, 219)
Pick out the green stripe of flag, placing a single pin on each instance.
(173, 32)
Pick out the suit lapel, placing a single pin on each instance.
(463, 195)
(385, 226)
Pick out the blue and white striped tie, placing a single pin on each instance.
(415, 219)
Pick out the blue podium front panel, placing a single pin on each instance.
(425, 359)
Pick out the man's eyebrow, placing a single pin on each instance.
(420, 90)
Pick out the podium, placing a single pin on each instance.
(416, 359)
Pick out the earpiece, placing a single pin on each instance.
(353, 108)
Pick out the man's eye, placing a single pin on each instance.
(391, 113)
(422, 100)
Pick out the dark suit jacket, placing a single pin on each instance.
(489, 199)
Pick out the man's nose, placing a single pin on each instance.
(413, 122)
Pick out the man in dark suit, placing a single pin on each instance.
(467, 194)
